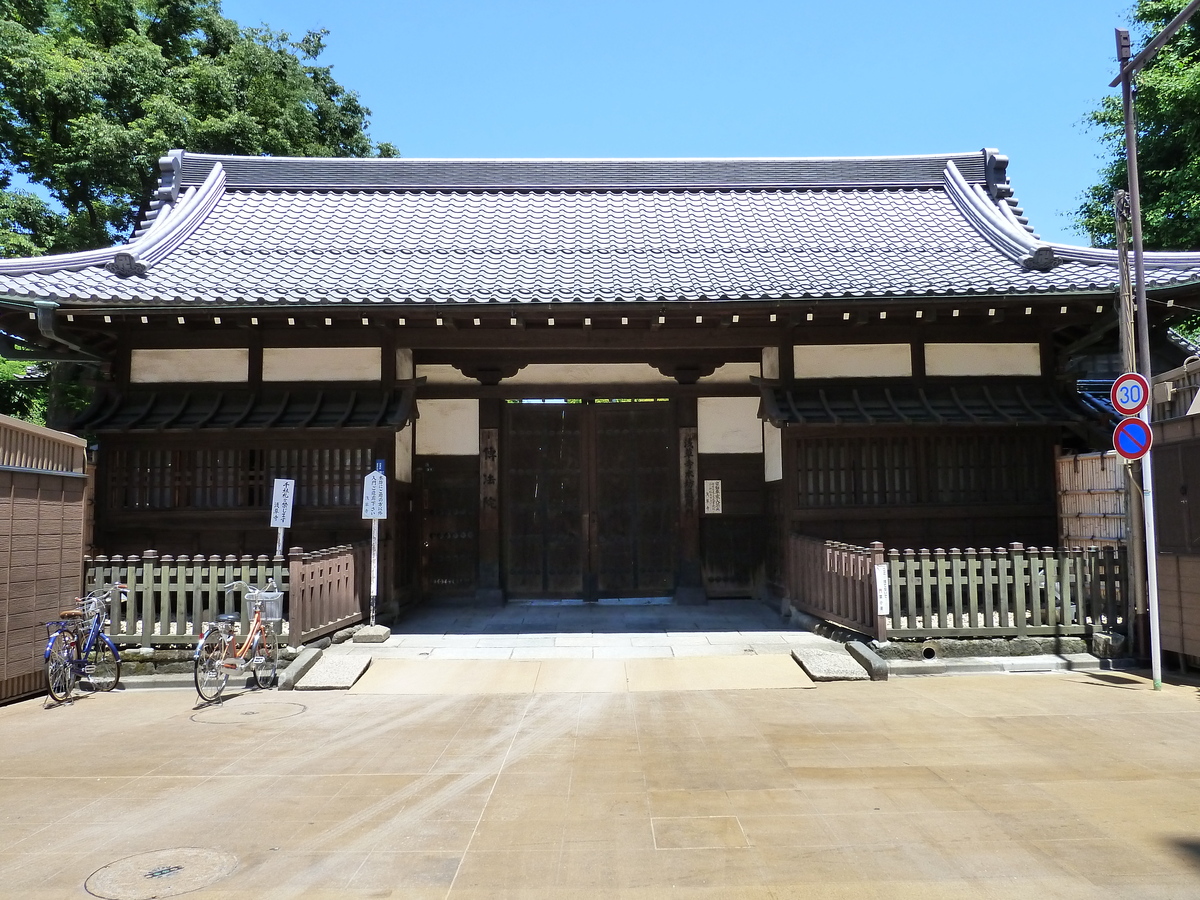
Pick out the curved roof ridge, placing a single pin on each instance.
(1153, 259)
(1005, 234)
(137, 258)
(172, 225)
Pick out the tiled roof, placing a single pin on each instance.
(233, 230)
(991, 402)
(207, 407)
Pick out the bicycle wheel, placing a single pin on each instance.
(60, 669)
(101, 667)
(210, 674)
(266, 647)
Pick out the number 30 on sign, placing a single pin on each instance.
(1129, 394)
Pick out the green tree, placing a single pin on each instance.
(23, 391)
(93, 92)
(1168, 111)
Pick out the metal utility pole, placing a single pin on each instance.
(1130, 68)
(1134, 516)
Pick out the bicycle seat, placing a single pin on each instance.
(71, 614)
(229, 617)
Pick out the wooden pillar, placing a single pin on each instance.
(689, 582)
(488, 589)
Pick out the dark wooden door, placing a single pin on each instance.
(589, 499)
(447, 489)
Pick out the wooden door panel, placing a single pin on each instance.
(589, 499)
(635, 499)
(541, 497)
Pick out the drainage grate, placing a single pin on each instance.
(160, 873)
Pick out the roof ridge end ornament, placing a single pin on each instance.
(137, 257)
(1002, 233)
(995, 168)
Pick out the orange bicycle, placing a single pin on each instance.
(218, 654)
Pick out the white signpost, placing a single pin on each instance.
(375, 508)
(283, 496)
(712, 497)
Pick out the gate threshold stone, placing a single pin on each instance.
(334, 672)
(826, 665)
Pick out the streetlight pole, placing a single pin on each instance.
(1129, 68)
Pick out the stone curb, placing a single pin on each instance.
(299, 668)
(869, 659)
(988, 665)
(828, 665)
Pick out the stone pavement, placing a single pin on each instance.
(1069, 785)
(590, 631)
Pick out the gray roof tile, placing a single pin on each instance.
(660, 237)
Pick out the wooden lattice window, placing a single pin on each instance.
(234, 477)
(912, 470)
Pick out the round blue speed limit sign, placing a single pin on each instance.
(1129, 394)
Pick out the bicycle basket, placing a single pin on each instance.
(272, 604)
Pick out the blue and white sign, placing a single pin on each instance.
(1129, 394)
(375, 496)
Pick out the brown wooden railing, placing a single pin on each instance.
(834, 581)
(328, 588)
(1008, 592)
(171, 597)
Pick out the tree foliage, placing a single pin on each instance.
(93, 92)
(23, 391)
(1168, 112)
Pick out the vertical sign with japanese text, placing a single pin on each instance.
(489, 490)
(283, 495)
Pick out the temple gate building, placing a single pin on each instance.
(586, 378)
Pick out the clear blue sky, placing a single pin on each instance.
(533, 78)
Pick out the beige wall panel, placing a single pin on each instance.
(852, 360)
(404, 364)
(443, 375)
(770, 363)
(983, 359)
(589, 373)
(772, 452)
(733, 373)
(404, 454)
(321, 363)
(729, 425)
(183, 366)
(447, 428)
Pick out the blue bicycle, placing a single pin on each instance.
(77, 649)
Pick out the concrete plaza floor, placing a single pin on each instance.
(1001, 786)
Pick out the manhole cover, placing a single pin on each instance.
(247, 713)
(160, 873)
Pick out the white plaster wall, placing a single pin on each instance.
(983, 359)
(852, 360)
(732, 373)
(588, 373)
(728, 425)
(772, 452)
(443, 375)
(321, 363)
(770, 362)
(182, 366)
(404, 365)
(404, 454)
(448, 428)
